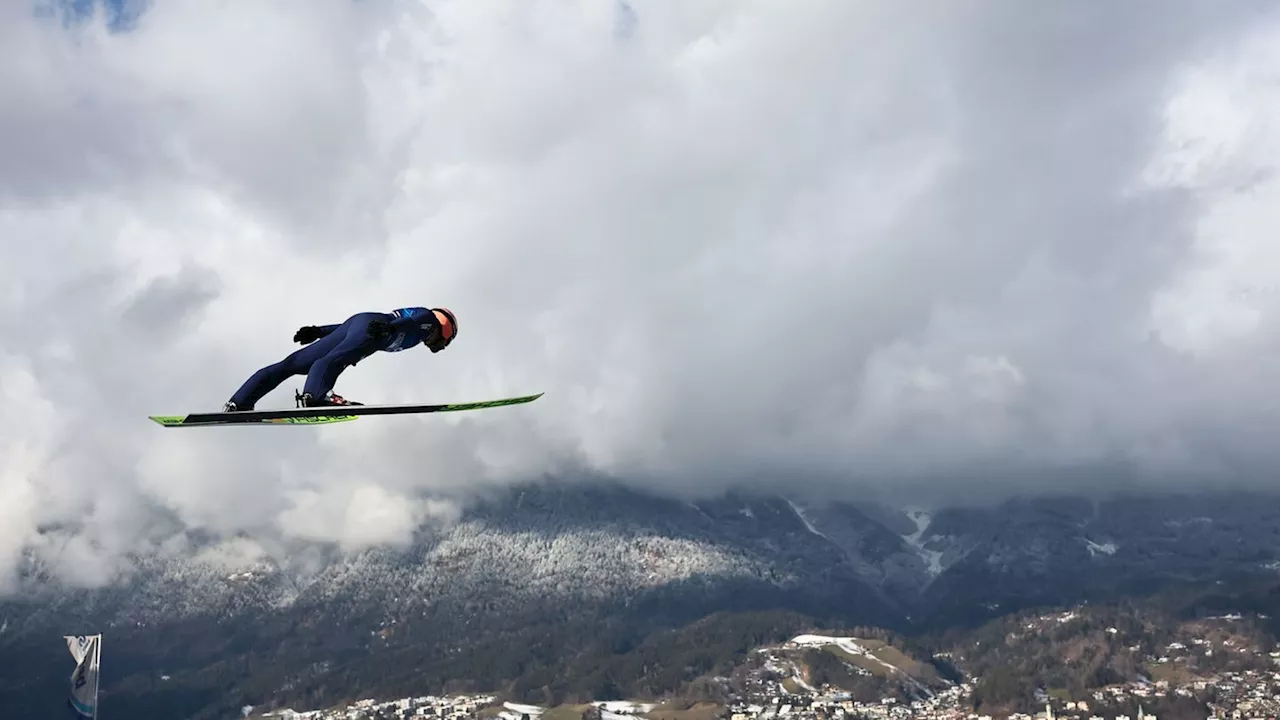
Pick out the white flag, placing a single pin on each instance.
(87, 650)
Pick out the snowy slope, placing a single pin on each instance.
(549, 545)
(553, 558)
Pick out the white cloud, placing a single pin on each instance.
(363, 515)
(839, 245)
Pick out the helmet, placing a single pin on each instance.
(448, 330)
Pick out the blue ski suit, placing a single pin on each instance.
(339, 347)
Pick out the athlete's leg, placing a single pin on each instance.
(297, 363)
(353, 345)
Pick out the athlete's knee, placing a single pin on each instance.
(280, 369)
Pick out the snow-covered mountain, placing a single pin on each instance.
(616, 565)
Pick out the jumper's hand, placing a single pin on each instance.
(307, 334)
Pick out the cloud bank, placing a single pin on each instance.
(840, 248)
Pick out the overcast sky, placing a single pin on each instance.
(951, 250)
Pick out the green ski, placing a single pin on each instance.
(323, 415)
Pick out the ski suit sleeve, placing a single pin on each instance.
(408, 317)
(326, 329)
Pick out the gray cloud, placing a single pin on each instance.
(847, 249)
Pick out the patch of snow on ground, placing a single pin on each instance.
(799, 678)
(624, 707)
(848, 645)
(845, 644)
(530, 710)
(932, 558)
(800, 514)
(1096, 549)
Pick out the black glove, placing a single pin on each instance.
(380, 329)
(308, 334)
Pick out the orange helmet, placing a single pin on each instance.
(448, 330)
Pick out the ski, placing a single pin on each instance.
(324, 415)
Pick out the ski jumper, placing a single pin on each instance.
(339, 347)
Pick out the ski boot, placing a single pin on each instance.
(306, 400)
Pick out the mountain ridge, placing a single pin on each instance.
(559, 572)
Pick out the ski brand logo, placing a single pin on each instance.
(309, 419)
